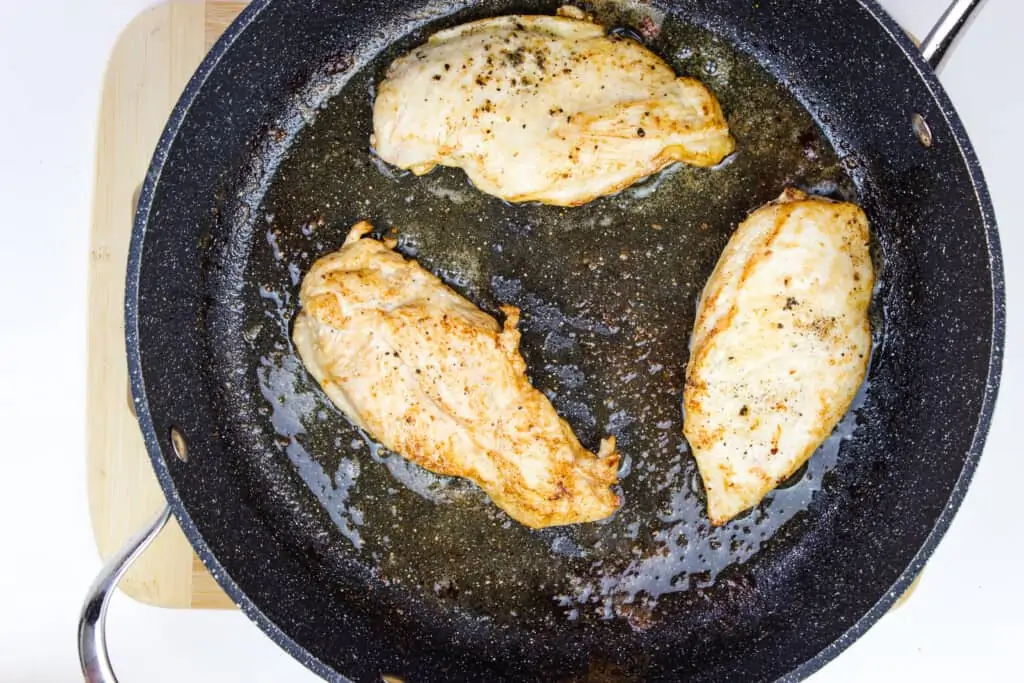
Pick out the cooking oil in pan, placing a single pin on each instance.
(607, 292)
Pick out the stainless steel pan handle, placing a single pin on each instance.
(948, 30)
(92, 635)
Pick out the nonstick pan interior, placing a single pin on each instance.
(608, 297)
(424, 567)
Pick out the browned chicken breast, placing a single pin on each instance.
(437, 380)
(780, 346)
(542, 108)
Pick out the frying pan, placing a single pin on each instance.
(361, 565)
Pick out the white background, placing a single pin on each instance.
(963, 623)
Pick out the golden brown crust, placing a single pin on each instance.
(436, 380)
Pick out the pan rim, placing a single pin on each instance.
(800, 672)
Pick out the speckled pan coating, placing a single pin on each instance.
(228, 206)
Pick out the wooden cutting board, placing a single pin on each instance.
(149, 67)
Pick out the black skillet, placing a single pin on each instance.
(361, 565)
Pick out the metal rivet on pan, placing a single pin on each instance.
(921, 130)
(178, 445)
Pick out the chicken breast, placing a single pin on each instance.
(780, 346)
(436, 380)
(543, 108)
